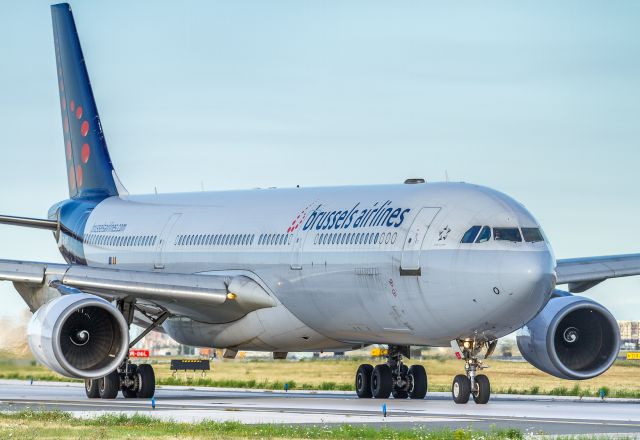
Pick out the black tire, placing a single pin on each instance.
(129, 393)
(399, 394)
(147, 381)
(109, 385)
(91, 388)
(419, 382)
(363, 381)
(381, 382)
(483, 390)
(461, 389)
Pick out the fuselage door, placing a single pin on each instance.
(297, 244)
(410, 261)
(161, 243)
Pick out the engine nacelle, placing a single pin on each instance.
(79, 336)
(571, 338)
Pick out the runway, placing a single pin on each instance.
(531, 414)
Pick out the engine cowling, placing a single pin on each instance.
(571, 338)
(79, 336)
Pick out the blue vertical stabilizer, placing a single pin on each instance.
(89, 169)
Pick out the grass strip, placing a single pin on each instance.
(57, 424)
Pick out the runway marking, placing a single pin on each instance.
(221, 406)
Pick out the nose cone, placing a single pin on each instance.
(528, 278)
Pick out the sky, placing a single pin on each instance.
(540, 100)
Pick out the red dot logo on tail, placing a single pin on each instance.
(86, 151)
(79, 112)
(72, 179)
(84, 128)
(79, 175)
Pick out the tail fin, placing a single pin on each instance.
(89, 166)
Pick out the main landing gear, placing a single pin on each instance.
(471, 383)
(392, 378)
(135, 381)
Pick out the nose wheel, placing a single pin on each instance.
(392, 378)
(472, 384)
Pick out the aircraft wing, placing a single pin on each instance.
(205, 298)
(583, 273)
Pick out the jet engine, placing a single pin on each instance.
(571, 338)
(79, 336)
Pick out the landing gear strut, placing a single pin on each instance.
(392, 378)
(471, 383)
(135, 381)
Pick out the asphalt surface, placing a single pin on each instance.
(531, 414)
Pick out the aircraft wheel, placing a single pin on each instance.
(109, 385)
(129, 394)
(147, 381)
(483, 391)
(381, 382)
(419, 382)
(91, 388)
(363, 381)
(461, 389)
(399, 394)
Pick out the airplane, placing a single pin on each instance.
(298, 269)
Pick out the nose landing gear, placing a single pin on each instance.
(392, 378)
(472, 384)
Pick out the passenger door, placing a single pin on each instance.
(161, 244)
(410, 261)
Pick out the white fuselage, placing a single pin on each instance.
(347, 265)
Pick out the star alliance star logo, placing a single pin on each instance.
(444, 233)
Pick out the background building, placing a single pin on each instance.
(630, 334)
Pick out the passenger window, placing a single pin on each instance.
(484, 235)
(471, 234)
(507, 234)
(532, 235)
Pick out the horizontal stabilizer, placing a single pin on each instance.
(29, 222)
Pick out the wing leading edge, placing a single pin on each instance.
(582, 274)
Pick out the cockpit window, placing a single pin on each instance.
(471, 234)
(532, 235)
(484, 235)
(507, 234)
